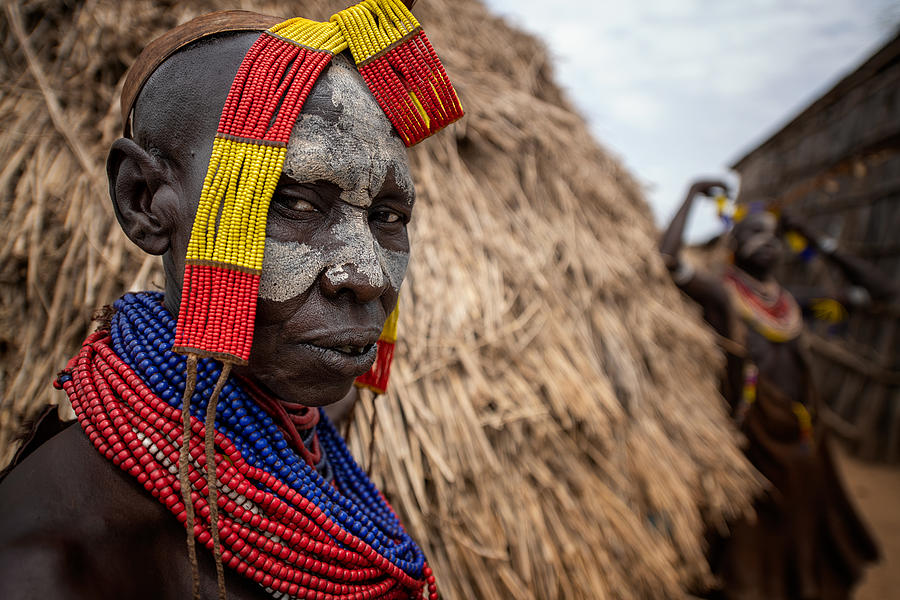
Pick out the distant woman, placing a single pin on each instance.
(807, 541)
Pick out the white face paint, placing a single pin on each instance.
(356, 152)
(354, 149)
(289, 268)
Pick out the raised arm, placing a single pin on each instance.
(673, 238)
(701, 287)
(868, 282)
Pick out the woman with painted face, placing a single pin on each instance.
(807, 541)
(268, 168)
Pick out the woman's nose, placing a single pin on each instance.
(364, 282)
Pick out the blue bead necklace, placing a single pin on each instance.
(142, 333)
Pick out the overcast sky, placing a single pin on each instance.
(681, 88)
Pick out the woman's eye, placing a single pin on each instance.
(301, 205)
(294, 201)
(387, 216)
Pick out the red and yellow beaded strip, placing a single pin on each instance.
(225, 252)
(376, 379)
(400, 67)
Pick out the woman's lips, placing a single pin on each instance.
(352, 350)
(349, 360)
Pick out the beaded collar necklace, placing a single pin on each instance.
(282, 525)
(775, 315)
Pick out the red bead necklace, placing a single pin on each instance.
(279, 539)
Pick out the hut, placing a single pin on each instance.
(553, 429)
(837, 164)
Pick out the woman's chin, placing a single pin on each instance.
(319, 395)
(317, 392)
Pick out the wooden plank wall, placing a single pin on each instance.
(838, 165)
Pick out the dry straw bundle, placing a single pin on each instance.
(553, 430)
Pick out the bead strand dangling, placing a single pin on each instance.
(211, 483)
(190, 384)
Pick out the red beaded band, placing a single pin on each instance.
(413, 89)
(223, 325)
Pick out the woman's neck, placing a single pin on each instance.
(296, 421)
(761, 275)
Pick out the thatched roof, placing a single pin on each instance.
(554, 429)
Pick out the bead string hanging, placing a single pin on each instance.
(376, 379)
(748, 399)
(282, 524)
(748, 390)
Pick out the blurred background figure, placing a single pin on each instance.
(807, 540)
(834, 172)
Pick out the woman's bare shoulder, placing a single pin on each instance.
(69, 519)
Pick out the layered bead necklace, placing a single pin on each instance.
(775, 315)
(281, 523)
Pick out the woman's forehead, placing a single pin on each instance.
(340, 129)
(343, 136)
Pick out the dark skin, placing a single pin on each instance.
(757, 252)
(72, 525)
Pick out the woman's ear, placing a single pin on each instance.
(143, 196)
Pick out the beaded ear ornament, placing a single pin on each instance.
(376, 379)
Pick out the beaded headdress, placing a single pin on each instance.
(225, 252)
